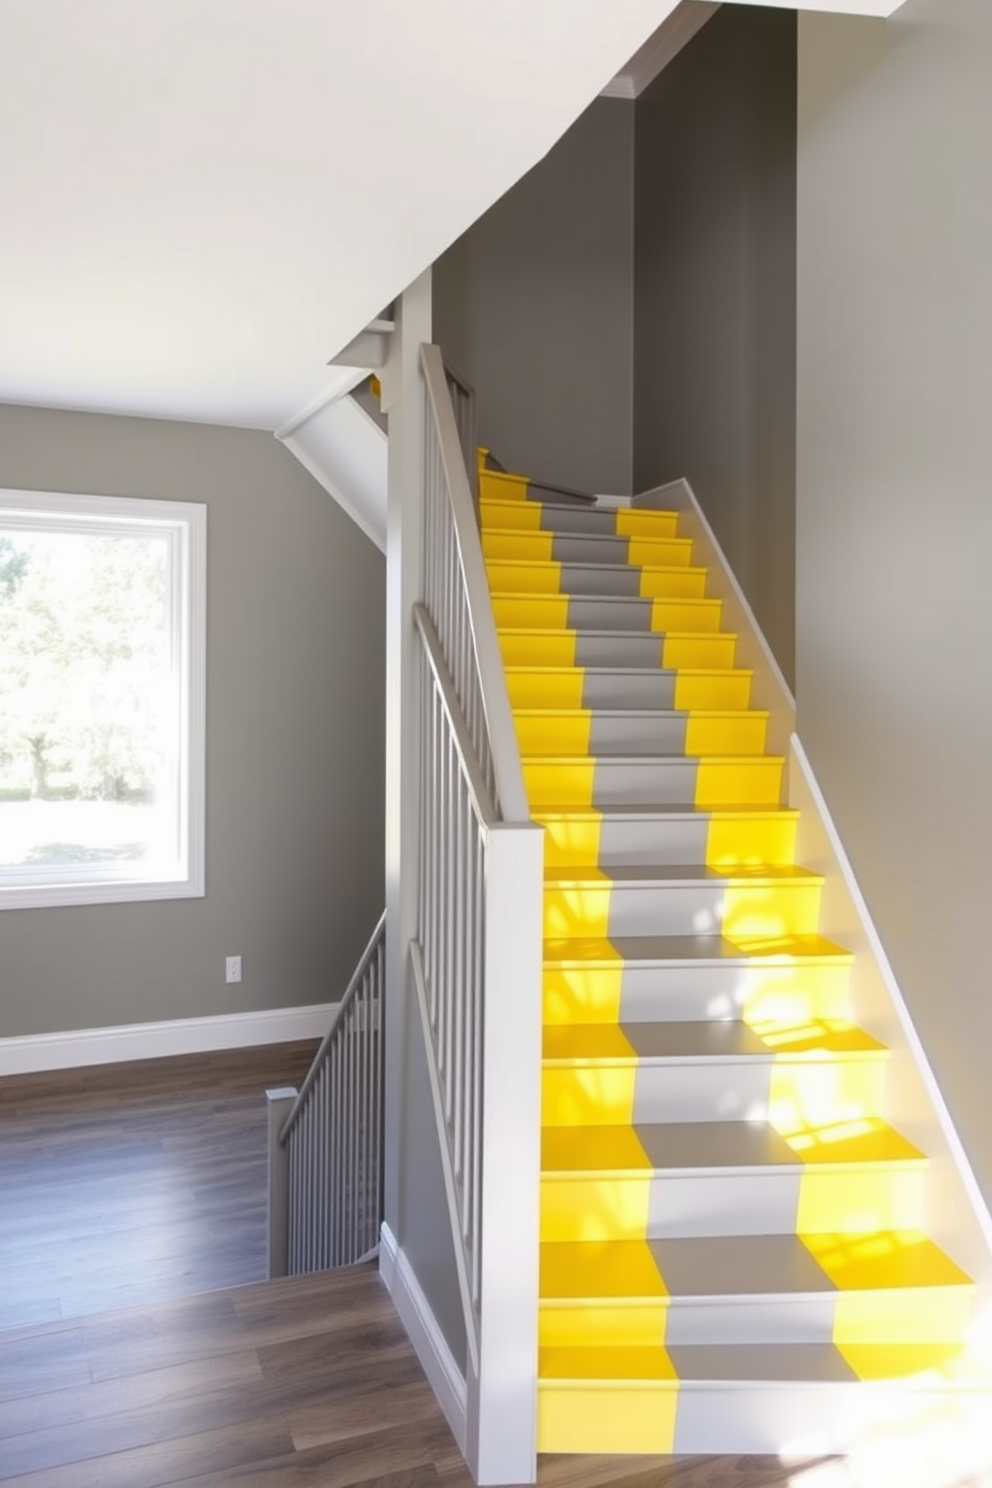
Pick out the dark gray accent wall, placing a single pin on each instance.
(295, 731)
(894, 589)
(533, 305)
(714, 273)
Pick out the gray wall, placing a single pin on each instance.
(295, 699)
(533, 305)
(894, 506)
(714, 340)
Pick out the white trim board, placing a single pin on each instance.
(76, 1048)
(674, 33)
(956, 1214)
(430, 1346)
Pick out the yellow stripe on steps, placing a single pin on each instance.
(509, 544)
(513, 516)
(698, 651)
(547, 648)
(498, 485)
(897, 1287)
(561, 731)
(701, 615)
(739, 782)
(641, 522)
(593, 1087)
(860, 1175)
(585, 990)
(522, 577)
(681, 582)
(578, 1411)
(725, 732)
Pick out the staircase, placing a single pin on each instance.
(733, 1246)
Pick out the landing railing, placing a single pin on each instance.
(477, 956)
(326, 1143)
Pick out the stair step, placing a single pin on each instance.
(552, 516)
(627, 687)
(530, 646)
(882, 1287)
(548, 576)
(666, 1179)
(671, 899)
(654, 780)
(626, 731)
(788, 979)
(606, 612)
(716, 1070)
(508, 544)
(749, 1399)
(613, 835)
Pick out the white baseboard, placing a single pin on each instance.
(85, 1046)
(436, 1358)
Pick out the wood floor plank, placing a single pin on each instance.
(179, 1460)
(57, 1410)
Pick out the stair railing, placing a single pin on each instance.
(477, 957)
(326, 1143)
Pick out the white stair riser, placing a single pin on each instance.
(721, 1202)
(681, 909)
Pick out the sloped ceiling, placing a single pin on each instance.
(201, 201)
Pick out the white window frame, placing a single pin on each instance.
(184, 524)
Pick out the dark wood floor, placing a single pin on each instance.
(288, 1384)
(144, 1184)
(135, 1183)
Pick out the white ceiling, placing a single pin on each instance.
(201, 201)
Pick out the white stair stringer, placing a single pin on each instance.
(345, 451)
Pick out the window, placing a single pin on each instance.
(102, 673)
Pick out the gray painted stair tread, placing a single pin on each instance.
(738, 1266)
(813, 1363)
(578, 1042)
(691, 873)
(688, 1146)
(714, 1144)
(688, 950)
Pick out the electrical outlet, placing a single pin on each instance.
(232, 968)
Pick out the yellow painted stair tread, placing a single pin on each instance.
(865, 1139)
(928, 1363)
(591, 950)
(606, 1269)
(644, 1363)
(818, 1035)
(580, 1042)
(788, 948)
(884, 1259)
(592, 1149)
